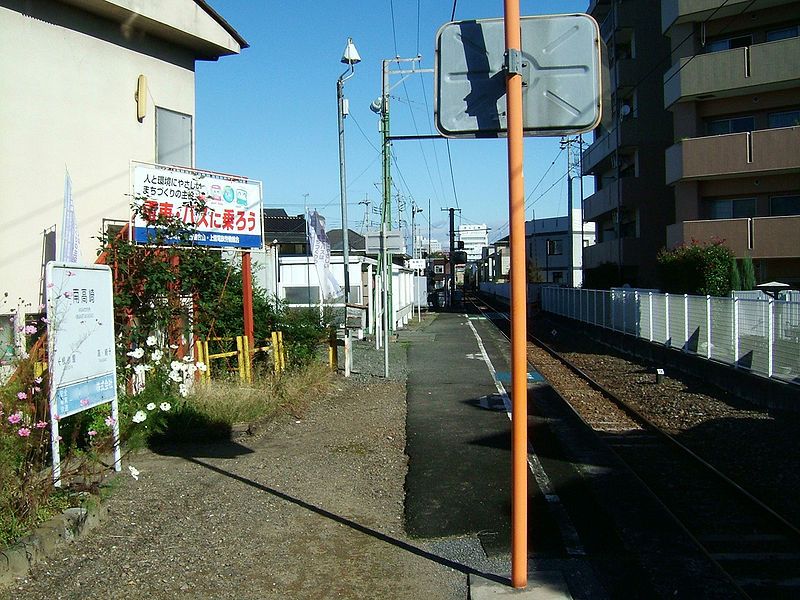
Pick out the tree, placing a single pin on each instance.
(748, 274)
(736, 280)
(534, 272)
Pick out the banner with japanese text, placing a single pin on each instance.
(231, 217)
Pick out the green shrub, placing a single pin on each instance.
(696, 269)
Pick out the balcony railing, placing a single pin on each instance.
(759, 237)
(685, 11)
(757, 68)
(768, 151)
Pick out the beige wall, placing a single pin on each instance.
(68, 83)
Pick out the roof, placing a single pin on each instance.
(354, 240)
(192, 24)
(279, 226)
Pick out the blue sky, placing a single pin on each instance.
(270, 114)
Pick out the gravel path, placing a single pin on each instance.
(307, 508)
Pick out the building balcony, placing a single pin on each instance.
(605, 200)
(602, 148)
(626, 73)
(757, 68)
(608, 252)
(764, 152)
(759, 237)
(674, 12)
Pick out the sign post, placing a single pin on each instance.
(537, 76)
(81, 357)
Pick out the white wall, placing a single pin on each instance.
(68, 84)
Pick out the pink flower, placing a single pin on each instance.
(50, 285)
(41, 425)
(22, 396)
(110, 421)
(23, 432)
(45, 320)
(84, 402)
(37, 389)
(30, 329)
(91, 433)
(57, 417)
(15, 418)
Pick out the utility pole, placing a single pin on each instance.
(414, 249)
(452, 286)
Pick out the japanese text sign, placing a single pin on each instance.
(231, 217)
(80, 333)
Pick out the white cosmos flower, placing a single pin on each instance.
(201, 366)
(134, 472)
(165, 406)
(138, 353)
(151, 340)
(176, 376)
(139, 370)
(183, 390)
(187, 359)
(175, 365)
(157, 355)
(151, 406)
(139, 416)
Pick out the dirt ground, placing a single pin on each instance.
(307, 508)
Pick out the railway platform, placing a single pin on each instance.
(594, 532)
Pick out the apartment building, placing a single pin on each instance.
(734, 90)
(475, 238)
(632, 205)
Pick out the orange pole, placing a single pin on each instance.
(247, 298)
(519, 383)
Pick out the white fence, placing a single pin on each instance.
(762, 336)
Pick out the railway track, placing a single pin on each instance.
(752, 545)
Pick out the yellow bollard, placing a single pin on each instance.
(275, 358)
(241, 357)
(283, 351)
(248, 360)
(207, 361)
(333, 349)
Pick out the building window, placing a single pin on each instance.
(555, 247)
(786, 118)
(739, 41)
(783, 33)
(558, 277)
(173, 138)
(438, 269)
(784, 206)
(732, 208)
(730, 125)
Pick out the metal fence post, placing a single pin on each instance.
(770, 337)
(736, 333)
(708, 326)
(686, 322)
(624, 311)
(650, 313)
(638, 322)
(613, 311)
(667, 333)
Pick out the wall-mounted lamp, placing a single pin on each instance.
(141, 98)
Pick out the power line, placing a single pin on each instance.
(394, 30)
(453, 15)
(452, 177)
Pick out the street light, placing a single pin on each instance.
(350, 57)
